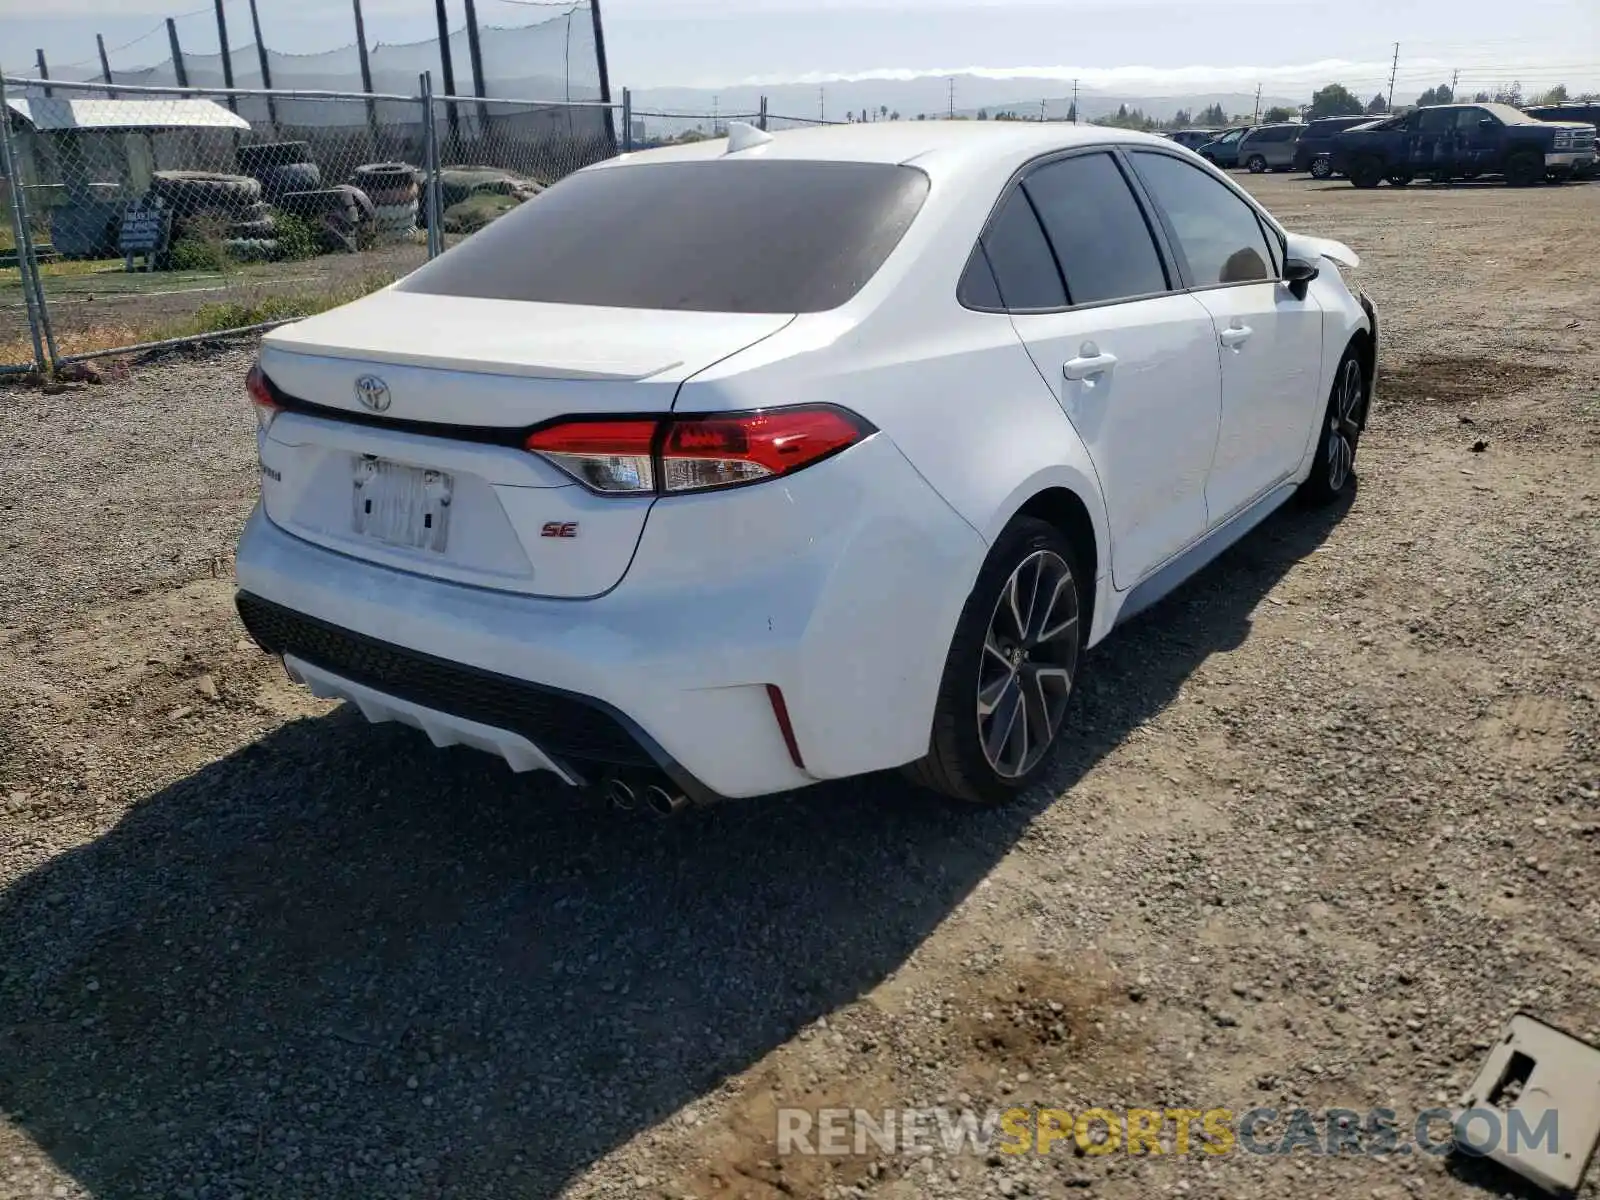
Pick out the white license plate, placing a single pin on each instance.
(399, 504)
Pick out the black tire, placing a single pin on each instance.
(198, 191)
(1525, 169)
(314, 204)
(291, 177)
(1343, 420)
(359, 200)
(957, 763)
(1256, 165)
(384, 176)
(1322, 167)
(1400, 178)
(248, 230)
(1366, 172)
(254, 160)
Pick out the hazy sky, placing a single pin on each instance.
(1150, 44)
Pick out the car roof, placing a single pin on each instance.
(939, 147)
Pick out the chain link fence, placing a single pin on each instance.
(164, 214)
(137, 217)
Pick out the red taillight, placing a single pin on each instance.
(261, 398)
(696, 453)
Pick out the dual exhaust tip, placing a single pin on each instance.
(660, 797)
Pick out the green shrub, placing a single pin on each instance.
(297, 241)
(197, 254)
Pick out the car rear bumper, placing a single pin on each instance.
(840, 586)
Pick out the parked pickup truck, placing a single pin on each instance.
(1583, 112)
(1463, 141)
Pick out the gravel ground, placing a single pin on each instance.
(1330, 815)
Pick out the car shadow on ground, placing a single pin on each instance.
(341, 963)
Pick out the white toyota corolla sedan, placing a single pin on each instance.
(725, 469)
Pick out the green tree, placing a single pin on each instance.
(1482, 98)
(1556, 95)
(983, 114)
(1213, 116)
(894, 116)
(1510, 95)
(1335, 100)
(1278, 115)
(1072, 113)
(1182, 119)
(1436, 95)
(1377, 106)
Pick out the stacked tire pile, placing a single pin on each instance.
(337, 214)
(207, 206)
(394, 192)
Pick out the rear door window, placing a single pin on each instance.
(1098, 231)
(769, 236)
(1025, 270)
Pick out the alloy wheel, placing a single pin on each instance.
(1344, 427)
(1321, 168)
(1030, 654)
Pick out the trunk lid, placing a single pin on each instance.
(429, 476)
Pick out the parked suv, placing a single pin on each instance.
(1269, 147)
(1558, 114)
(1192, 139)
(1223, 150)
(1314, 151)
(1464, 141)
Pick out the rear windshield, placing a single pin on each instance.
(769, 236)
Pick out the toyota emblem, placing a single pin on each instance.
(373, 393)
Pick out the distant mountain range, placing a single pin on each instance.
(930, 95)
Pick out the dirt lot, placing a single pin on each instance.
(1331, 814)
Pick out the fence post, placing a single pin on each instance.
(105, 65)
(44, 341)
(178, 68)
(44, 72)
(475, 53)
(19, 231)
(431, 195)
(627, 121)
(366, 80)
(600, 61)
(227, 55)
(761, 119)
(449, 76)
(266, 65)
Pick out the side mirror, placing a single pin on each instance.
(1298, 274)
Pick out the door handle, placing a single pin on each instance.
(1087, 366)
(1235, 336)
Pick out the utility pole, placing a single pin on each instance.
(1041, 112)
(1393, 71)
(1074, 101)
(1256, 120)
(1455, 82)
(952, 95)
(822, 104)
